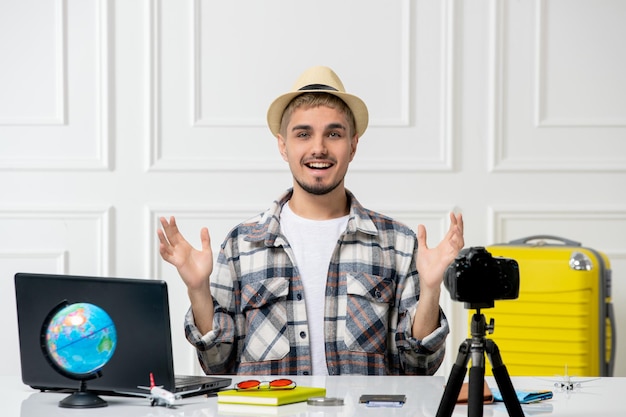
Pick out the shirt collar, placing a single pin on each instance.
(268, 227)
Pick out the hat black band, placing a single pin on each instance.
(317, 87)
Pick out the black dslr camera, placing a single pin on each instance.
(478, 279)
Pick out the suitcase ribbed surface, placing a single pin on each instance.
(556, 319)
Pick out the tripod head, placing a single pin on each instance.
(479, 305)
(479, 327)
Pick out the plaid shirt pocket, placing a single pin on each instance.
(264, 305)
(369, 300)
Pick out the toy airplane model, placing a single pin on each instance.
(568, 383)
(158, 395)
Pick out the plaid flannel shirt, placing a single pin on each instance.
(372, 290)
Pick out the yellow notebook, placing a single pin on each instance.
(270, 397)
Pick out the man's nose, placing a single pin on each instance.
(319, 145)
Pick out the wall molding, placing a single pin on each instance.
(499, 216)
(59, 258)
(499, 160)
(541, 119)
(100, 161)
(60, 86)
(101, 217)
(157, 161)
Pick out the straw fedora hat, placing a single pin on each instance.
(318, 80)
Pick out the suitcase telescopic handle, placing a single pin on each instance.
(525, 240)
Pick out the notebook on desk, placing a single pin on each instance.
(139, 308)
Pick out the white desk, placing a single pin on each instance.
(604, 397)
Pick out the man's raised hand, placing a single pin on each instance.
(193, 265)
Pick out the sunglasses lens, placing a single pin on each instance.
(282, 383)
(275, 384)
(248, 384)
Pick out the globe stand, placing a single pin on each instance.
(82, 399)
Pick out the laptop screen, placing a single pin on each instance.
(139, 309)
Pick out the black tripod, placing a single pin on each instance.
(476, 346)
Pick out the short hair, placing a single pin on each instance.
(312, 100)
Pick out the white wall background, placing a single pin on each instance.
(113, 113)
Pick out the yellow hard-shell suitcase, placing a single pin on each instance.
(563, 317)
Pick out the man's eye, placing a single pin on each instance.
(334, 134)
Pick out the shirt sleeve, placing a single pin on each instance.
(418, 356)
(424, 357)
(214, 348)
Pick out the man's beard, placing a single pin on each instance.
(318, 188)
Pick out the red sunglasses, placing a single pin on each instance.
(274, 384)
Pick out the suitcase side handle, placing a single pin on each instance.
(525, 240)
(610, 366)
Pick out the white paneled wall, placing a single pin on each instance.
(54, 106)
(113, 113)
(557, 92)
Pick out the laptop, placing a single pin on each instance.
(139, 309)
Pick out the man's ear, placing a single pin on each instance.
(353, 143)
(282, 147)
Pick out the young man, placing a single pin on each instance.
(317, 284)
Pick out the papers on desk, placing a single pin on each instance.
(525, 396)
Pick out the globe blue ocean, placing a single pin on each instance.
(81, 338)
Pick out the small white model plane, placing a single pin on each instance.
(568, 383)
(158, 395)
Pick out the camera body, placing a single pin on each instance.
(478, 279)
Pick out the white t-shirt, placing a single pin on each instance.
(313, 243)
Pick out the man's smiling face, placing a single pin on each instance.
(318, 145)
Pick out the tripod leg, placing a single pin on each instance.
(455, 382)
(476, 391)
(504, 381)
(476, 399)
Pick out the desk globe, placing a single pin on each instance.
(78, 340)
